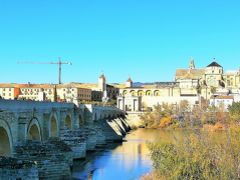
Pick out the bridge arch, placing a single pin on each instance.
(81, 120)
(53, 127)
(34, 130)
(68, 122)
(95, 117)
(87, 115)
(5, 139)
(105, 116)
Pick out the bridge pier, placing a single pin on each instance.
(76, 140)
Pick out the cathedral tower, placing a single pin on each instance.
(102, 83)
(191, 64)
(129, 83)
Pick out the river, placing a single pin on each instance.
(127, 161)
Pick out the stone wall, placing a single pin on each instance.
(133, 119)
(12, 169)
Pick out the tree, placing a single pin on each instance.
(184, 106)
(234, 111)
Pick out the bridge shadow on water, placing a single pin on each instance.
(85, 168)
(128, 160)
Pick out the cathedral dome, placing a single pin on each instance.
(214, 64)
(102, 77)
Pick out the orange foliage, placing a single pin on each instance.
(217, 127)
(165, 121)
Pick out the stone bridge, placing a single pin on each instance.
(53, 133)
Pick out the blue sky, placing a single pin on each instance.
(147, 39)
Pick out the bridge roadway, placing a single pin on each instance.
(40, 140)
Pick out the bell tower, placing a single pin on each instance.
(129, 83)
(102, 83)
(191, 63)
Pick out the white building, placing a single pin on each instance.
(221, 101)
(129, 103)
(8, 91)
(37, 92)
(73, 93)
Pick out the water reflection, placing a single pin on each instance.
(128, 161)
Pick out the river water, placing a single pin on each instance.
(127, 161)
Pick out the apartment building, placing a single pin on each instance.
(9, 91)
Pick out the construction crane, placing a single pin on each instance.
(59, 63)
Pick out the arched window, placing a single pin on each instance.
(148, 93)
(124, 92)
(140, 93)
(133, 93)
(156, 93)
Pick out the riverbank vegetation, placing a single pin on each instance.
(204, 152)
(199, 155)
(184, 116)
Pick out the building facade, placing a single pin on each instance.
(36, 92)
(46, 92)
(146, 96)
(221, 101)
(191, 84)
(9, 91)
(211, 77)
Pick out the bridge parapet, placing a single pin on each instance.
(17, 105)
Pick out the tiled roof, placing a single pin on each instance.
(6, 85)
(214, 64)
(77, 85)
(222, 97)
(189, 73)
(48, 86)
(120, 86)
